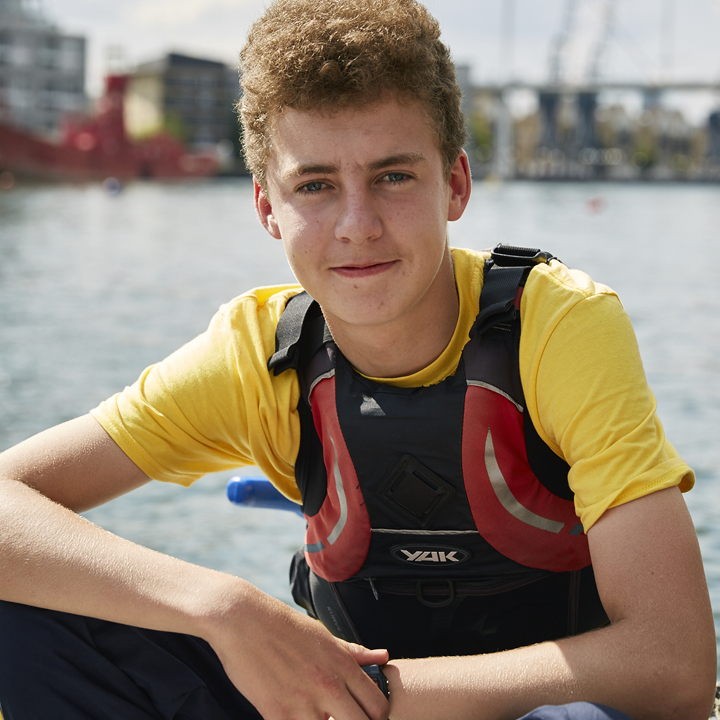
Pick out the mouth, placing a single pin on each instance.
(361, 270)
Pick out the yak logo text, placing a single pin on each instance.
(432, 555)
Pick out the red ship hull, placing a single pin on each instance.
(96, 148)
(25, 155)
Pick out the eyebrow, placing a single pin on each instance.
(408, 158)
(300, 170)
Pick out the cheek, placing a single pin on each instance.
(428, 210)
(297, 256)
(303, 233)
(294, 231)
(301, 250)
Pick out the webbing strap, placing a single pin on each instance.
(505, 272)
(497, 299)
(288, 333)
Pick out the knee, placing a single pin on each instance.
(30, 635)
(16, 630)
(16, 626)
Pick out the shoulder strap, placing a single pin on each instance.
(503, 279)
(301, 330)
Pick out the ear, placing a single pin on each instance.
(264, 211)
(459, 184)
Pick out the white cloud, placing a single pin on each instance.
(179, 13)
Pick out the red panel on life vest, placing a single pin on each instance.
(512, 509)
(338, 536)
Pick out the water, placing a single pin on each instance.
(94, 287)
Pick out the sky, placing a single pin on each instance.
(646, 40)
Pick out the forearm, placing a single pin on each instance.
(51, 557)
(481, 687)
(613, 666)
(656, 660)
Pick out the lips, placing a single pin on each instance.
(366, 269)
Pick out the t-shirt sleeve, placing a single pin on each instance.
(213, 405)
(588, 396)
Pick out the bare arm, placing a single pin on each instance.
(285, 663)
(655, 661)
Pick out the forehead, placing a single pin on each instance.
(301, 138)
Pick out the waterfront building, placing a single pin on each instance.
(713, 142)
(42, 70)
(192, 98)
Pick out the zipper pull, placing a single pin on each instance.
(374, 589)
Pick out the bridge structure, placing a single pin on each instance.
(579, 153)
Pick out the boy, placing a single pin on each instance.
(415, 429)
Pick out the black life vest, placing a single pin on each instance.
(435, 507)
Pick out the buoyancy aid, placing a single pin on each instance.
(438, 521)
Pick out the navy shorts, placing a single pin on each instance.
(575, 711)
(70, 667)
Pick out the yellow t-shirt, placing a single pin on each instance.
(213, 405)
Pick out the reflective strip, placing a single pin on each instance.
(487, 386)
(507, 499)
(390, 531)
(335, 534)
(324, 376)
(315, 547)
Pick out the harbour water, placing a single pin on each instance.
(96, 286)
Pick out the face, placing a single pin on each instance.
(361, 203)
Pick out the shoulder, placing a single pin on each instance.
(560, 302)
(566, 315)
(252, 317)
(555, 288)
(550, 288)
(468, 266)
(468, 263)
(227, 360)
(263, 302)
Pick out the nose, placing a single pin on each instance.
(358, 220)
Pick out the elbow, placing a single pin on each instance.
(686, 691)
(698, 679)
(699, 697)
(692, 703)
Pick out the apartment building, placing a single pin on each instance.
(42, 70)
(191, 97)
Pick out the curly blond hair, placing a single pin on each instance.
(329, 55)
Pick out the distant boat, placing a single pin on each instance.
(97, 147)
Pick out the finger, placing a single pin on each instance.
(360, 698)
(366, 656)
(369, 697)
(373, 707)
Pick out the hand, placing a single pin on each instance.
(291, 668)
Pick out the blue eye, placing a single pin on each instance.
(396, 177)
(313, 187)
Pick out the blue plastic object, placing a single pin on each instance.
(259, 492)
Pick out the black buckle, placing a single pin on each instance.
(512, 256)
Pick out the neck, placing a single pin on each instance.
(408, 344)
